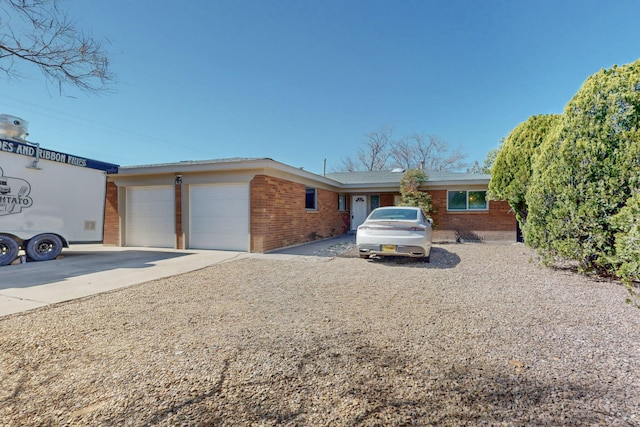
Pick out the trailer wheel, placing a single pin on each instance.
(44, 247)
(8, 250)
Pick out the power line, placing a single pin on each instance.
(134, 136)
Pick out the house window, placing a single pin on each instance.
(374, 202)
(467, 200)
(342, 202)
(311, 199)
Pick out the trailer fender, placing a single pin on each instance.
(44, 247)
(8, 250)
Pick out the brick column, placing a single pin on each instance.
(178, 200)
(111, 230)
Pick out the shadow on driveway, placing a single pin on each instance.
(440, 258)
(79, 263)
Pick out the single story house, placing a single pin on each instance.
(259, 205)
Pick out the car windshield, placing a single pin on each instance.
(406, 214)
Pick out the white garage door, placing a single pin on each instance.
(150, 217)
(219, 217)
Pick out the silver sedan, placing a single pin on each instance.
(395, 231)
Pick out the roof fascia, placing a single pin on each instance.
(395, 186)
(257, 165)
(457, 182)
(266, 164)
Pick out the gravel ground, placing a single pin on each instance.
(480, 336)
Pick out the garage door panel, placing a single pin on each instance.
(219, 217)
(150, 217)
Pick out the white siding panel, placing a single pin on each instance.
(150, 217)
(219, 217)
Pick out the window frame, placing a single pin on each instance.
(342, 203)
(307, 190)
(467, 208)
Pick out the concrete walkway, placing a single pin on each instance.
(317, 247)
(91, 269)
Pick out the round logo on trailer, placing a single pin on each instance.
(14, 194)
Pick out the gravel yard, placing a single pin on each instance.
(481, 335)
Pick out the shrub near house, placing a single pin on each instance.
(586, 178)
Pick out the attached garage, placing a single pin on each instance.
(149, 219)
(219, 216)
(245, 205)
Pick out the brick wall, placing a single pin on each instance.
(111, 230)
(498, 223)
(387, 199)
(279, 218)
(178, 215)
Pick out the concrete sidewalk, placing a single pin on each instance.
(91, 269)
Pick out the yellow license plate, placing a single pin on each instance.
(388, 248)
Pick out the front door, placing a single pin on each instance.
(358, 211)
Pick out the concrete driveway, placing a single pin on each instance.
(86, 270)
(91, 269)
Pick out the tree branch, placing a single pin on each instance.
(53, 44)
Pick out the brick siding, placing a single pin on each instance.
(279, 218)
(111, 230)
(178, 216)
(387, 199)
(498, 223)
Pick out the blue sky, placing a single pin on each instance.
(303, 81)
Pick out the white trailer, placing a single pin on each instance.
(48, 199)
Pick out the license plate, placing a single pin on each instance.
(388, 248)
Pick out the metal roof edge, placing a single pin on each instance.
(458, 182)
(428, 183)
(187, 165)
(222, 165)
(266, 163)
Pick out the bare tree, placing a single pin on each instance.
(450, 161)
(403, 154)
(381, 151)
(425, 149)
(433, 154)
(39, 33)
(349, 165)
(374, 153)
